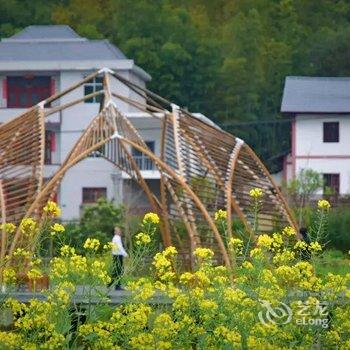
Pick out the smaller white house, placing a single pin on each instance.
(320, 112)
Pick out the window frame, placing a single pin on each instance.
(18, 87)
(328, 136)
(95, 86)
(330, 185)
(95, 194)
(49, 135)
(142, 160)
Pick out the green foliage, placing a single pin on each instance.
(98, 220)
(101, 217)
(339, 229)
(226, 59)
(331, 261)
(300, 191)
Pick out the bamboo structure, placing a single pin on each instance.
(202, 168)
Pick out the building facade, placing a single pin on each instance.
(43, 60)
(320, 112)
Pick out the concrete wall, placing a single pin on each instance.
(309, 136)
(329, 166)
(311, 152)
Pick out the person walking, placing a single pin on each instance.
(305, 254)
(118, 253)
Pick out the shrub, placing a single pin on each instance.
(339, 229)
(98, 220)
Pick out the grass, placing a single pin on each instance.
(332, 261)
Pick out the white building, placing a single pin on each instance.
(320, 108)
(43, 60)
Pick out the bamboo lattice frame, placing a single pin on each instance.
(202, 168)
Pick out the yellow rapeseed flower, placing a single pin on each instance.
(220, 215)
(21, 252)
(143, 238)
(34, 274)
(315, 247)
(109, 246)
(28, 227)
(277, 241)
(170, 251)
(288, 231)
(10, 340)
(151, 218)
(8, 227)
(264, 241)
(283, 257)
(56, 228)
(92, 244)
(203, 253)
(300, 245)
(236, 245)
(247, 265)
(35, 262)
(8, 275)
(66, 250)
(161, 263)
(78, 264)
(52, 209)
(323, 204)
(256, 193)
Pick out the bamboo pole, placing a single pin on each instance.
(183, 183)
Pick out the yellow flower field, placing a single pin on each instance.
(272, 298)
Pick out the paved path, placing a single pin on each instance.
(98, 295)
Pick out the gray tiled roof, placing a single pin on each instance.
(46, 32)
(62, 51)
(316, 95)
(55, 43)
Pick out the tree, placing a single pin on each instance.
(301, 190)
(227, 59)
(98, 221)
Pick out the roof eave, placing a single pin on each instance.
(75, 65)
(141, 73)
(313, 112)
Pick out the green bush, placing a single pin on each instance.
(98, 220)
(339, 229)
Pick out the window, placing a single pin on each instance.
(331, 132)
(50, 146)
(143, 161)
(96, 84)
(24, 92)
(331, 183)
(93, 194)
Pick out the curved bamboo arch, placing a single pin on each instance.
(202, 168)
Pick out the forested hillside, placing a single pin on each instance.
(227, 59)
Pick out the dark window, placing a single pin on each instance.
(94, 85)
(24, 92)
(331, 132)
(93, 194)
(143, 161)
(50, 145)
(331, 183)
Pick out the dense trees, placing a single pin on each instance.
(225, 58)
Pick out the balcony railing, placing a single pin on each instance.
(144, 163)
